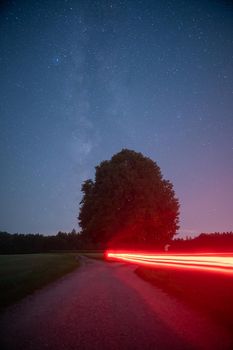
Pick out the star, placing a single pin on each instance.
(56, 60)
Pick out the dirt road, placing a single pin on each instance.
(106, 306)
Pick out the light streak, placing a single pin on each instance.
(211, 262)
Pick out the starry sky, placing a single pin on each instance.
(80, 80)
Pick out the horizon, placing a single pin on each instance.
(178, 235)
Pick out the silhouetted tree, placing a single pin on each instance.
(129, 203)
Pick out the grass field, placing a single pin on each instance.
(98, 255)
(21, 274)
(210, 293)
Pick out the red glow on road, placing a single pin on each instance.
(222, 263)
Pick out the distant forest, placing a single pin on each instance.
(214, 242)
(18, 243)
(36, 243)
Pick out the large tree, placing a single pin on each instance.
(129, 204)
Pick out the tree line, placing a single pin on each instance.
(19, 243)
(214, 242)
(37, 243)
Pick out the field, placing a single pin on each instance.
(22, 274)
(98, 255)
(210, 293)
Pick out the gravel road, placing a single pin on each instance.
(106, 306)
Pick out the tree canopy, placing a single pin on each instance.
(128, 204)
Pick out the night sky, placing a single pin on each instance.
(80, 80)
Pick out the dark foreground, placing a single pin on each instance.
(22, 274)
(106, 306)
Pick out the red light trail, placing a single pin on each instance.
(222, 263)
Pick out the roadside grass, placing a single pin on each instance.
(98, 255)
(89, 253)
(22, 274)
(210, 293)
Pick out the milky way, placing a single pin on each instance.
(80, 80)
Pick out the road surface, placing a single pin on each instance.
(106, 306)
